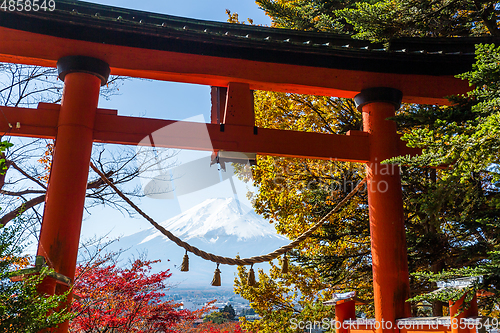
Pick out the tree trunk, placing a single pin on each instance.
(437, 306)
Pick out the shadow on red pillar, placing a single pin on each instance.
(64, 203)
(344, 310)
(457, 323)
(387, 230)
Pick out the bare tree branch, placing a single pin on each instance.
(22, 208)
(25, 174)
(21, 193)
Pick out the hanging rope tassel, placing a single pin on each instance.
(284, 266)
(216, 279)
(251, 277)
(185, 263)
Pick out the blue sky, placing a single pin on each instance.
(213, 10)
(167, 100)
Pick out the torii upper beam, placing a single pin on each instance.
(163, 47)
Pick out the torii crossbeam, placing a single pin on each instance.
(87, 41)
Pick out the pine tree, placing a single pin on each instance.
(387, 19)
(315, 15)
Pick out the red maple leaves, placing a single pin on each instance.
(112, 299)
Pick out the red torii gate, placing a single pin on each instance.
(89, 41)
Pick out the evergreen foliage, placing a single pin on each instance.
(229, 311)
(470, 145)
(224, 315)
(382, 20)
(389, 19)
(315, 15)
(22, 308)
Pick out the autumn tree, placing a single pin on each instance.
(280, 299)
(450, 224)
(110, 298)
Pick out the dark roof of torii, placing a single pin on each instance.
(110, 25)
(163, 47)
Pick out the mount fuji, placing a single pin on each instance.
(221, 226)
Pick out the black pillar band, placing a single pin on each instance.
(379, 94)
(83, 64)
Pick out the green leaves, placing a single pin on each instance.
(376, 22)
(317, 15)
(22, 308)
(388, 19)
(4, 145)
(465, 141)
(485, 77)
(449, 293)
(470, 144)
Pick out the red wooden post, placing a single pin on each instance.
(457, 323)
(239, 105)
(64, 203)
(388, 239)
(218, 97)
(344, 310)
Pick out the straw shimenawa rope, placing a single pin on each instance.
(226, 260)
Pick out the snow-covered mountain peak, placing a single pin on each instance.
(216, 220)
(219, 226)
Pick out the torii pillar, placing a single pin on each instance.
(64, 202)
(388, 239)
